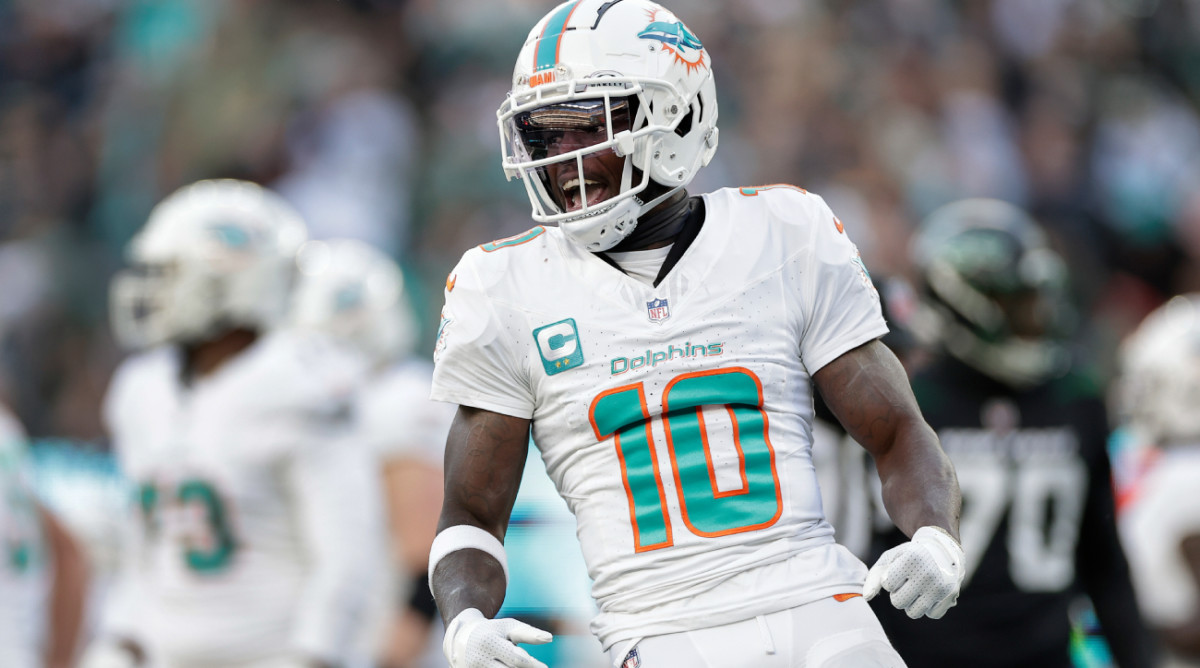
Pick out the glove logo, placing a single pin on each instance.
(558, 344)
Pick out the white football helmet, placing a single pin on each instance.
(1158, 386)
(596, 76)
(214, 255)
(355, 293)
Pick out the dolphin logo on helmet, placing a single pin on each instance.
(674, 34)
(677, 39)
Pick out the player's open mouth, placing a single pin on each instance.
(573, 190)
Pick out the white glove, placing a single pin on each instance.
(923, 575)
(474, 641)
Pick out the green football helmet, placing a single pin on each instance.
(993, 293)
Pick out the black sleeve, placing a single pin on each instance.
(1104, 572)
(420, 599)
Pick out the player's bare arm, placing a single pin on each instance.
(68, 595)
(485, 456)
(868, 391)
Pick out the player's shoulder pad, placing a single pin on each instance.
(411, 372)
(485, 265)
(790, 205)
(304, 371)
(397, 390)
(789, 218)
(785, 205)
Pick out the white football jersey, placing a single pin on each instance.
(397, 418)
(24, 578)
(258, 515)
(1162, 511)
(674, 420)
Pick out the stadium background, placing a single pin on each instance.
(376, 118)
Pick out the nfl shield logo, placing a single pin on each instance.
(631, 659)
(658, 310)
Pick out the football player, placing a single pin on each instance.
(356, 293)
(663, 349)
(43, 569)
(1160, 519)
(255, 507)
(1027, 433)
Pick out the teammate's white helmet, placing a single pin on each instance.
(213, 255)
(640, 82)
(355, 293)
(1158, 387)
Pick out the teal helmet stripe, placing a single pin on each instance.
(545, 56)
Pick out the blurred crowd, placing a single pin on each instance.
(376, 119)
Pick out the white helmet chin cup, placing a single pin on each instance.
(214, 255)
(606, 229)
(588, 50)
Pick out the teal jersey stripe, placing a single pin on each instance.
(513, 241)
(546, 54)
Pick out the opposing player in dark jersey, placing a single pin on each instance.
(1027, 437)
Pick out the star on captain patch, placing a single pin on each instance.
(658, 310)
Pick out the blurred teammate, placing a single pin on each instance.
(256, 512)
(663, 349)
(43, 570)
(1027, 437)
(356, 293)
(1160, 519)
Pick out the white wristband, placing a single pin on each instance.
(463, 537)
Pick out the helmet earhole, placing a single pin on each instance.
(685, 124)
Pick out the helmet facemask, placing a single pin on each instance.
(578, 134)
(568, 134)
(592, 64)
(141, 299)
(567, 155)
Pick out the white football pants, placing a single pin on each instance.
(823, 634)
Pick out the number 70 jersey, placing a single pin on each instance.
(676, 421)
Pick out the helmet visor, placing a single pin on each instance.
(559, 129)
(565, 151)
